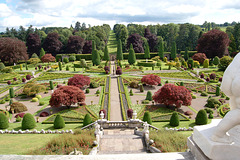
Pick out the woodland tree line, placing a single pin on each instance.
(79, 39)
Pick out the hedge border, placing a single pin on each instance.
(166, 120)
(121, 101)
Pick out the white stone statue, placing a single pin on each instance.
(231, 87)
(145, 127)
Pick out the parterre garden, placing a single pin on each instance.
(60, 94)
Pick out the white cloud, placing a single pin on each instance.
(4, 10)
(63, 13)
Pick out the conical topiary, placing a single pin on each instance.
(217, 91)
(87, 120)
(201, 117)
(131, 56)
(210, 116)
(161, 49)
(147, 117)
(147, 52)
(28, 121)
(141, 88)
(11, 93)
(60, 66)
(149, 96)
(51, 85)
(174, 120)
(3, 121)
(59, 122)
(119, 50)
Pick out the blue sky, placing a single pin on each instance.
(63, 13)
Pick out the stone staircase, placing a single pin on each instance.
(121, 141)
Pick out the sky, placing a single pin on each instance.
(63, 13)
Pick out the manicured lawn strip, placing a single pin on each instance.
(112, 43)
(181, 75)
(182, 124)
(101, 98)
(23, 143)
(194, 110)
(39, 126)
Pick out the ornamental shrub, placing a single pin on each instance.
(133, 84)
(9, 82)
(28, 77)
(145, 102)
(2, 101)
(3, 121)
(130, 113)
(131, 56)
(17, 107)
(67, 68)
(98, 92)
(212, 76)
(59, 122)
(131, 92)
(87, 120)
(94, 85)
(28, 121)
(44, 114)
(204, 94)
(212, 103)
(34, 55)
(210, 116)
(217, 91)
(72, 58)
(11, 93)
(38, 96)
(190, 63)
(119, 71)
(216, 60)
(2, 66)
(141, 88)
(206, 63)
(151, 79)
(201, 118)
(65, 60)
(18, 119)
(208, 110)
(174, 120)
(51, 85)
(34, 99)
(23, 80)
(41, 103)
(87, 90)
(200, 57)
(149, 96)
(224, 62)
(60, 66)
(147, 117)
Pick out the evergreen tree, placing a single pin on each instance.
(149, 96)
(217, 91)
(147, 52)
(60, 66)
(87, 120)
(232, 44)
(161, 49)
(173, 50)
(2, 66)
(147, 117)
(42, 53)
(59, 122)
(26, 66)
(174, 120)
(201, 117)
(216, 60)
(3, 121)
(186, 56)
(119, 50)
(131, 56)
(95, 55)
(206, 63)
(11, 92)
(106, 54)
(51, 85)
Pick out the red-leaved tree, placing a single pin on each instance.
(79, 81)
(66, 95)
(213, 43)
(170, 94)
(48, 58)
(151, 79)
(200, 57)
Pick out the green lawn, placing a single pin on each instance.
(23, 143)
(112, 43)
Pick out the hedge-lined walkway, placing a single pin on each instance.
(115, 113)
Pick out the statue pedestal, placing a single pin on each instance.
(202, 147)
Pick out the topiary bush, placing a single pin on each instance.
(133, 84)
(87, 90)
(51, 85)
(65, 60)
(174, 120)
(38, 96)
(147, 117)
(59, 122)
(130, 113)
(18, 119)
(34, 99)
(213, 103)
(3, 121)
(208, 110)
(131, 92)
(41, 103)
(210, 116)
(94, 85)
(206, 63)
(145, 102)
(212, 76)
(17, 107)
(149, 96)
(201, 118)
(87, 120)
(28, 77)
(98, 92)
(217, 91)
(28, 121)
(2, 101)
(141, 88)
(72, 58)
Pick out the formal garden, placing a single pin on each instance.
(61, 93)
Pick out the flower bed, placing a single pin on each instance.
(180, 75)
(52, 76)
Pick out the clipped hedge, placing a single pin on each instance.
(78, 56)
